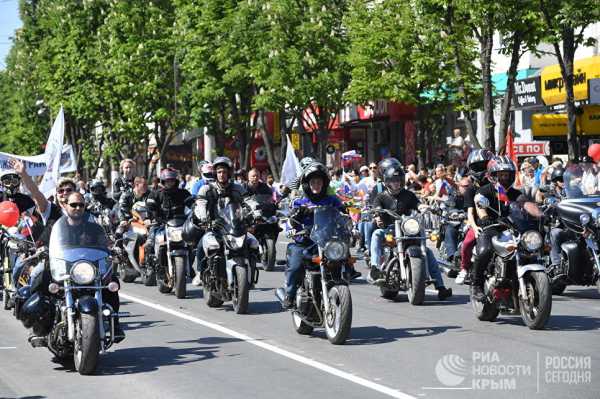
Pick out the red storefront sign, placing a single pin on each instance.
(532, 148)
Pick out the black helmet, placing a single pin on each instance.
(10, 182)
(386, 163)
(502, 164)
(477, 162)
(97, 187)
(315, 169)
(393, 173)
(557, 174)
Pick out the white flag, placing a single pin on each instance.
(291, 167)
(53, 155)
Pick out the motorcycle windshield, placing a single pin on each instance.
(582, 181)
(263, 203)
(77, 242)
(233, 218)
(329, 223)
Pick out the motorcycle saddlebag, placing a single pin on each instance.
(38, 313)
(191, 232)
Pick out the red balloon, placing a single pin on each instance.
(9, 214)
(594, 152)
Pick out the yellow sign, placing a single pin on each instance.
(295, 137)
(549, 124)
(590, 120)
(553, 86)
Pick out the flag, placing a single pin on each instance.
(291, 167)
(53, 155)
(502, 195)
(351, 155)
(444, 188)
(510, 152)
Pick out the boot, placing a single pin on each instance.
(444, 293)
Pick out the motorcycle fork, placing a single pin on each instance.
(324, 285)
(70, 311)
(400, 248)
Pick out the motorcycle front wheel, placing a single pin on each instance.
(87, 344)
(269, 255)
(338, 318)
(416, 281)
(241, 290)
(180, 276)
(535, 310)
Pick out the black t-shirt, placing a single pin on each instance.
(402, 203)
(491, 193)
(260, 189)
(24, 202)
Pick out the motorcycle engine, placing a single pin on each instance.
(303, 302)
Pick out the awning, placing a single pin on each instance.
(553, 90)
(500, 80)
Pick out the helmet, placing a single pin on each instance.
(10, 182)
(315, 169)
(97, 187)
(386, 163)
(140, 210)
(557, 174)
(168, 173)
(594, 152)
(304, 162)
(223, 161)
(477, 162)
(502, 164)
(393, 173)
(207, 170)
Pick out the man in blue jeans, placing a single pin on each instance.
(396, 198)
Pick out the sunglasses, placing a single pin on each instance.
(373, 167)
(64, 190)
(76, 205)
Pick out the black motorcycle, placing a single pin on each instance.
(456, 218)
(265, 227)
(323, 299)
(579, 215)
(64, 306)
(231, 253)
(13, 245)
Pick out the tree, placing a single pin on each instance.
(565, 22)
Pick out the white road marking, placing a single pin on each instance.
(7, 347)
(272, 348)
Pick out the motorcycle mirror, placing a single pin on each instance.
(481, 201)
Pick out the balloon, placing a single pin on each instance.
(594, 152)
(9, 214)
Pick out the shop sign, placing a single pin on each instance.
(532, 148)
(526, 92)
(590, 120)
(553, 86)
(549, 124)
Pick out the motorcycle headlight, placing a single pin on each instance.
(83, 273)
(411, 227)
(175, 234)
(532, 240)
(335, 250)
(235, 242)
(58, 269)
(584, 219)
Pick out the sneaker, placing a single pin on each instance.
(460, 279)
(197, 281)
(444, 293)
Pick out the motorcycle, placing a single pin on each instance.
(64, 304)
(171, 258)
(323, 298)
(231, 252)
(579, 213)
(405, 259)
(456, 218)
(265, 227)
(515, 280)
(129, 248)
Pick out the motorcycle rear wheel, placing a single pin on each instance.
(180, 277)
(388, 294)
(536, 314)
(338, 318)
(148, 277)
(300, 326)
(484, 311)
(241, 290)
(163, 286)
(87, 344)
(126, 274)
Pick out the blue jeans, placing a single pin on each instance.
(450, 238)
(366, 231)
(295, 254)
(377, 252)
(18, 265)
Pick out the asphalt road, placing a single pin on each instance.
(183, 349)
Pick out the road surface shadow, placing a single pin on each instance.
(266, 307)
(138, 325)
(559, 322)
(455, 299)
(375, 335)
(590, 293)
(195, 293)
(208, 341)
(151, 358)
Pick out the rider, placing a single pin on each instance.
(476, 170)
(124, 182)
(208, 202)
(398, 199)
(315, 182)
(11, 182)
(254, 186)
(498, 195)
(99, 200)
(208, 175)
(167, 202)
(140, 192)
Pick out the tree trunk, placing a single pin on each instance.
(506, 102)
(486, 42)
(567, 72)
(268, 144)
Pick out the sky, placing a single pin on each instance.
(9, 21)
